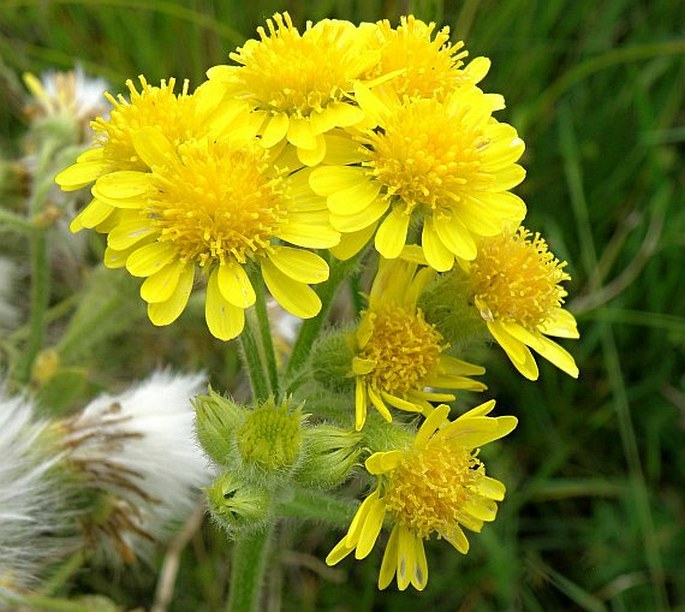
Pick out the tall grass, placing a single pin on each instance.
(596, 470)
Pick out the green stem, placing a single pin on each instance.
(310, 329)
(247, 571)
(269, 353)
(253, 360)
(40, 266)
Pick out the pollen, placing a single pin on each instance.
(517, 279)
(404, 347)
(297, 74)
(217, 201)
(426, 155)
(427, 491)
(153, 106)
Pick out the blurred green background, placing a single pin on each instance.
(595, 513)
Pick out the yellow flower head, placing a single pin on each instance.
(183, 181)
(436, 486)
(516, 285)
(446, 163)
(400, 354)
(423, 62)
(299, 83)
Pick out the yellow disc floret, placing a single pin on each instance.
(217, 201)
(428, 489)
(516, 279)
(404, 347)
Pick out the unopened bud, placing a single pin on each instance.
(330, 454)
(331, 361)
(216, 420)
(237, 507)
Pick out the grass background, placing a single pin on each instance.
(596, 469)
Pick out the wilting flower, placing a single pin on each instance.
(69, 94)
(399, 354)
(299, 83)
(516, 284)
(443, 162)
(422, 63)
(137, 458)
(33, 518)
(436, 486)
(174, 197)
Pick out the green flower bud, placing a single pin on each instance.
(331, 361)
(270, 438)
(448, 304)
(330, 454)
(216, 420)
(237, 507)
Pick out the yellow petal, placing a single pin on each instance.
(122, 185)
(352, 243)
(310, 229)
(354, 199)
(457, 539)
(152, 146)
(456, 237)
(549, 349)
(235, 286)
(300, 265)
(160, 286)
(164, 313)
(313, 157)
(433, 421)
(361, 220)
(516, 350)
(382, 462)
(490, 488)
(275, 130)
(508, 177)
(504, 149)
(370, 529)
(560, 323)
(297, 298)
(150, 258)
(370, 103)
(81, 174)
(326, 181)
(224, 320)
(300, 134)
(360, 408)
(437, 255)
(419, 576)
(339, 552)
(130, 232)
(354, 531)
(342, 150)
(389, 563)
(92, 215)
(392, 234)
(377, 401)
(481, 508)
(406, 551)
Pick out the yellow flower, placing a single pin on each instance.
(183, 181)
(446, 163)
(423, 64)
(299, 83)
(399, 354)
(516, 286)
(436, 486)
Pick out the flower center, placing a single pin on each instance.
(217, 201)
(516, 279)
(426, 154)
(404, 347)
(297, 74)
(427, 490)
(155, 107)
(428, 67)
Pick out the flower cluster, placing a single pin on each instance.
(313, 146)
